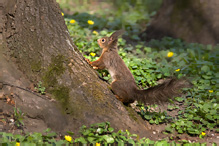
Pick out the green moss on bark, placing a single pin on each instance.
(54, 70)
(61, 93)
(36, 66)
(131, 113)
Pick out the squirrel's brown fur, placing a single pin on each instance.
(123, 83)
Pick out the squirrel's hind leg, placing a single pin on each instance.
(123, 91)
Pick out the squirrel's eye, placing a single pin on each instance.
(103, 40)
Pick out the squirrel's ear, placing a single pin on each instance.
(116, 34)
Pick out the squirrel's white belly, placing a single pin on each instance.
(112, 73)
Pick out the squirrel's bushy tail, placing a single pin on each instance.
(162, 92)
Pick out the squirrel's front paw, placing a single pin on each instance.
(94, 67)
(87, 60)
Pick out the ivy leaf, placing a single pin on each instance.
(110, 129)
(81, 139)
(52, 134)
(100, 130)
(169, 129)
(70, 133)
(108, 139)
(131, 141)
(179, 99)
(91, 139)
(205, 68)
(47, 130)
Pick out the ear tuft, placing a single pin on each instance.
(116, 34)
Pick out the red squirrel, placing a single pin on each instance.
(123, 83)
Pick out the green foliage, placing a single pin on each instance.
(34, 138)
(149, 113)
(199, 62)
(196, 118)
(40, 88)
(101, 133)
(18, 118)
(104, 133)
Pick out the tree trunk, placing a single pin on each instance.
(36, 46)
(190, 20)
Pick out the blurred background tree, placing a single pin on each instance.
(193, 21)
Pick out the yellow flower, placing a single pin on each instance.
(72, 21)
(97, 144)
(210, 91)
(90, 22)
(203, 133)
(177, 69)
(93, 54)
(95, 32)
(68, 138)
(17, 144)
(170, 54)
(63, 14)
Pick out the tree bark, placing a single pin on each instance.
(35, 46)
(192, 21)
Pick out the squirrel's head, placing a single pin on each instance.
(110, 42)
